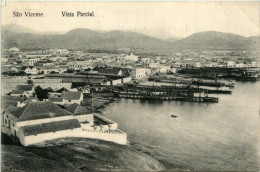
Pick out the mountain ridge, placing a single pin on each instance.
(91, 39)
(218, 40)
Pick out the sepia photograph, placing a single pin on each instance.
(130, 86)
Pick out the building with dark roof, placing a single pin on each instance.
(76, 109)
(50, 127)
(29, 70)
(23, 90)
(67, 98)
(37, 122)
(39, 118)
(81, 113)
(110, 71)
(38, 110)
(72, 78)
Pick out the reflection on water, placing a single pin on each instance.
(215, 136)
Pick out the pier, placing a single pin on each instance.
(168, 98)
(165, 93)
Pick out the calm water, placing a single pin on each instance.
(221, 136)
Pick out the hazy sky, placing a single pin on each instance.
(177, 18)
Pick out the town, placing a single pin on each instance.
(130, 86)
(51, 93)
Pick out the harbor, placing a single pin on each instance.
(150, 90)
(200, 129)
(130, 86)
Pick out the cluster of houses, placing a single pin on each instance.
(62, 60)
(39, 121)
(31, 121)
(61, 113)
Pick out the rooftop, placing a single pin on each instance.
(17, 92)
(71, 95)
(24, 87)
(55, 99)
(107, 71)
(39, 110)
(77, 109)
(73, 76)
(50, 127)
(25, 67)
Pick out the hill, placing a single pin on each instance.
(157, 33)
(217, 40)
(76, 154)
(82, 38)
(24, 38)
(17, 29)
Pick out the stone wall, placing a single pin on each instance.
(116, 136)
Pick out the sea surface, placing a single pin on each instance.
(205, 136)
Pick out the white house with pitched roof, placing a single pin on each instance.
(23, 90)
(29, 70)
(37, 122)
(67, 97)
(131, 57)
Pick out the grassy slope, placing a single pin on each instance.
(76, 154)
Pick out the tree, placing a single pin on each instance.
(69, 71)
(41, 93)
(30, 82)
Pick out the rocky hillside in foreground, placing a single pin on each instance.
(76, 154)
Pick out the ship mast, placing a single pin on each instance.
(92, 102)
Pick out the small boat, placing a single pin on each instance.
(174, 116)
(230, 85)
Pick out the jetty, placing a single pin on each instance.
(166, 93)
(239, 74)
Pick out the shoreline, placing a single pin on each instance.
(76, 154)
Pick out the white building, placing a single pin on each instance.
(79, 65)
(58, 58)
(40, 121)
(67, 98)
(230, 64)
(72, 97)
(23, 90)
(4, 60)
(197, 64)
(32, 61)
(154, 65)
(165, 69)
(14, 50)
(62, 51)
(138, 73)
(29, 70)
(41, 56)
(131, 57)
(146, 60)
(240, 65)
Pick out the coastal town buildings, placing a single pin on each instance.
(68, 78)
(67, 98)
(23, 90)
(29, 70)
(138, 73)
(131, 57)
(40, 121)
(14, 50)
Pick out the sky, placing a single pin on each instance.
(175, 18)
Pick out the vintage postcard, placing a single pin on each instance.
(130, 86)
